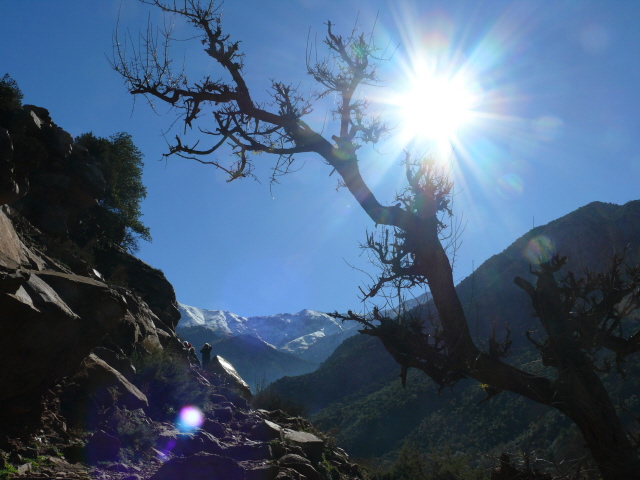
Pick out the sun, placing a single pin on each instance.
(435, 107)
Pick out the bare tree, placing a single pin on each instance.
(580, 316)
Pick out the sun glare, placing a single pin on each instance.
(434, 108)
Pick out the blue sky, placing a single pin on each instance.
(555, 128)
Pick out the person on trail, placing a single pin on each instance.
(206, 355)
(190, 353)
(193, 358)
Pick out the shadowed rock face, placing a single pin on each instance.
(40, 158)
(55, 307)
(148, 282)
(50, 320)
(96, 377)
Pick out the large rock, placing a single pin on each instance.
(300, 465)
(99, 381)
(120, 363)
(311, 445)
(202, 466)
(137, 331)
(150, 283)
(13, 253)
(200, 441)
(102, 447)
(52, 318)
(19, 156)
(220, 366)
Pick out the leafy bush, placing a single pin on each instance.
(166, 381)
(267, 398)
(115, 220)
(10, 93)
(135, 433)
(413, 465)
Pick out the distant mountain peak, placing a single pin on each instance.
(308, 334)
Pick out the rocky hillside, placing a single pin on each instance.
(357, 389)
(94, 382)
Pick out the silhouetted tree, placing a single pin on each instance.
(580, 316)
(115, 220)
(10, 94)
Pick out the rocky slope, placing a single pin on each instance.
(93, 379)
(357, 389)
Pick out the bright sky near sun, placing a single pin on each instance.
(538, 101)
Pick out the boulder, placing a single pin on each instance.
(289, 474)
(41, 126)
(202, 466)
(311, 445)
(120, 363)
(222, 367)
(102, 447)
(137, 331)
(249, 450)
(259, 470)
(97, 379)
(13, 253)
(150, 283)
(214, 428)
(169, 437)
(300, 465)
(266, 430)
(200, 441)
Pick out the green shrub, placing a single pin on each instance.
(135, 432)
(7, 471)
(164, 378)
(411, 464)
(267, 398)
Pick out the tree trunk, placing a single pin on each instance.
(577, 392)
(582, 397)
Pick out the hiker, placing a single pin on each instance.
(193, 358)
(206, 354)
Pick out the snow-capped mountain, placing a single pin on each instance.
(308, 335)
(216, 320)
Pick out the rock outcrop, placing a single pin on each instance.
(56, 307)
(94, 382)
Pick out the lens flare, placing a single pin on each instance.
(547, 128)
(510, 185)
(539, 250)
(189, 418)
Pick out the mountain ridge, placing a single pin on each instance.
(265, 348)
(357, 390)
